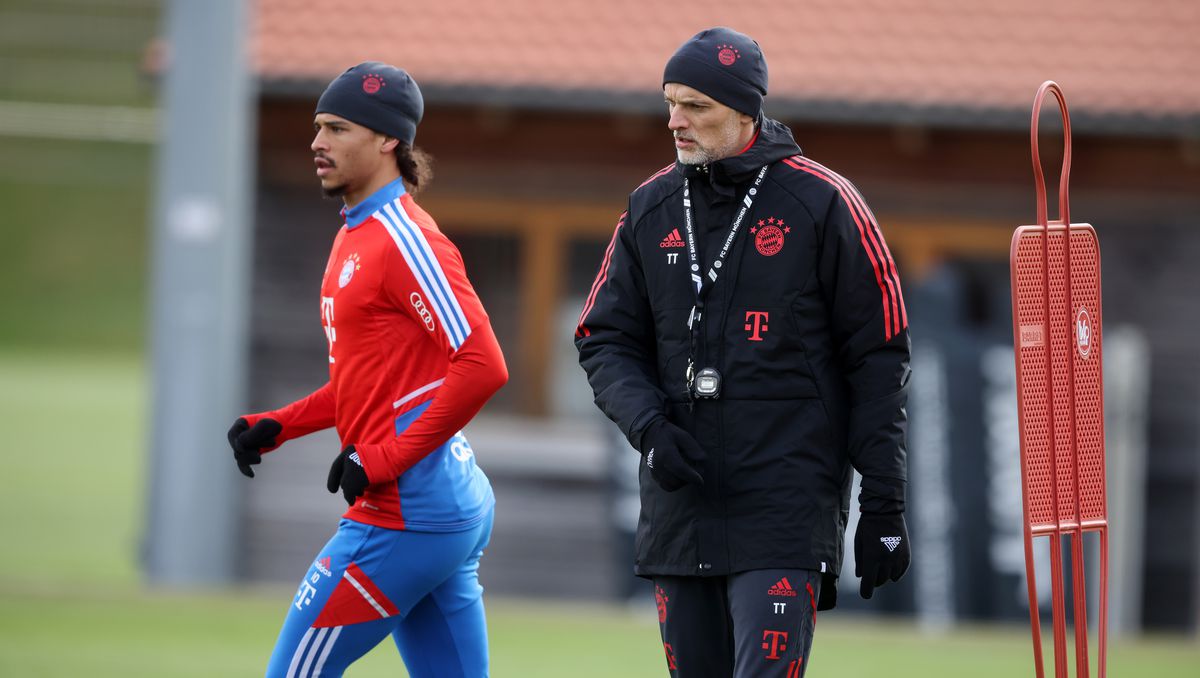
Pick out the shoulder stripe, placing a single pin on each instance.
(601, 276)
(895, 315)
(890, 274)
(657, 174)
(426, 269)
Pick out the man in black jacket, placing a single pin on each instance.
(747, 333)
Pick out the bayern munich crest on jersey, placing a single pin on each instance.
(348, 268)
(769, 235)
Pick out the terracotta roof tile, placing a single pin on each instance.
(1113, 57)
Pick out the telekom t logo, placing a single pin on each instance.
(774, 642)
(756, 323)
(327, 321)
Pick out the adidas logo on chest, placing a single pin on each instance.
(672, 240)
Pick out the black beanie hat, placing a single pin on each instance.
(376, 95)
(724, 64)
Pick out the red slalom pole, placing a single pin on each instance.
(1057, 347)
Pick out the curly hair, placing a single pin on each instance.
(416, 166)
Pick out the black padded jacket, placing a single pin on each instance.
(807, 326)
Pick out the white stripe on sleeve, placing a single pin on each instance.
(427, 270)
(419, 392)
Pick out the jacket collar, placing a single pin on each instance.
(773, 142)
(359, 213)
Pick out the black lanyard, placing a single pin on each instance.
(713, 270)
(693, 255)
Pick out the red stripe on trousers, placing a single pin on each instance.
(812, 599)
(370, 587)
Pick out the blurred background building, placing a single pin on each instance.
(543, 115)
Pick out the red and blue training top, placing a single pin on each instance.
(412, 358)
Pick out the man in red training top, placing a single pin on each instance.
(412, 358)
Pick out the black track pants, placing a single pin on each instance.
(756, 624)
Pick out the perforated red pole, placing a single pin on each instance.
(1056, 568)
(1062, 437)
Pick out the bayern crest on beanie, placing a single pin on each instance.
(724, 64)
(378, 96)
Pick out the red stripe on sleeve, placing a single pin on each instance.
(894, 313)
(601, 276)
(657, 174)
(891, 275)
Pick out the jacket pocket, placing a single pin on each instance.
(673, 345)
(764, 357)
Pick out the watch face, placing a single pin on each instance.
(708, 383)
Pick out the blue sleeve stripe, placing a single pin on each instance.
(426, 269)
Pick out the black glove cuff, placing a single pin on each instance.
(650, 434)
(881, 495)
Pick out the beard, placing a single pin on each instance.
(700, 156)
(724, 145)
(334, 191)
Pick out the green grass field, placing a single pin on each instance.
(73, 415)
(71, 603)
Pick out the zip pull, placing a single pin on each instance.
(690, 378)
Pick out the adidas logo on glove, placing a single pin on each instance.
(890, 542)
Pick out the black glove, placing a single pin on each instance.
(248, 442)
(672, 455)
(347, 472)
(880, 550)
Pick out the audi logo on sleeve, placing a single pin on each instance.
(419, 304)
